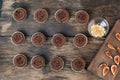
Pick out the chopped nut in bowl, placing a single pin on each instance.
(98, 27)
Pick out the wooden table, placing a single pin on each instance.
(109, 9)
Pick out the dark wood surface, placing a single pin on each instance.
(101, 56)
(109, 9)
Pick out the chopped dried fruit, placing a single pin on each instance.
(111, 47)
(117, 59)
(102, 65)
(105, 70)
(114, 69)
(117, 35)
(118, 49)
(109, 54)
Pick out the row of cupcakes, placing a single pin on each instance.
(57, 63)
(58, 40)
(41, 15)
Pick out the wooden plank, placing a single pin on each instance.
(101, 57)
(69, 52)
(111, 11)
(8, 26)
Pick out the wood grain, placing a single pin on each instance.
(108, 9)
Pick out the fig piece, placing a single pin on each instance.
(117, 59)
(118, 49)
(117, 35)
(102, 65)
(114, 69)
(105, 70)
(111, 47)
(109, 54)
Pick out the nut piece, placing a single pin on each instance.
(114, 69)
(105, 70)
(80, 40)
(82, 16)
(111, 47)
(58, 40)
(20, 60)
(102, 65)
(38, 39)
(40, 15)
(62, 15)
(118, 49)
(117, 59)
(38, 62)
(117, 35)
(97, 30)
(19, 14)
(78, 64)
(17, 37)
(56, 63)
(109, 54)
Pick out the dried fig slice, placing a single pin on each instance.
(111, 47)
(105, 70)
(114, 69)
(118, 49)
(102, 65)
(109, 54)
(117, 35)
(117, 59)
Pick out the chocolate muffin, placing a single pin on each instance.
(56, 63)
(38, 62)
(78, 64)
(38, 38)
(17, 37)
(58, 40)
(20, 60)
(80, 40)
(40, 15)
(82, 16)
(62, 15)
(19, 14)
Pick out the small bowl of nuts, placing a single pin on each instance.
(98, 27)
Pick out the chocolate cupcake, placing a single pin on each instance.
(78, 64)
(82, 16)
(80, 40)
(38, 62)
(19, 14)
(58, 40)
(20, 60)
(17, 37)
(40, 15)
(62, 15)
(38, 39)
(56, 63)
